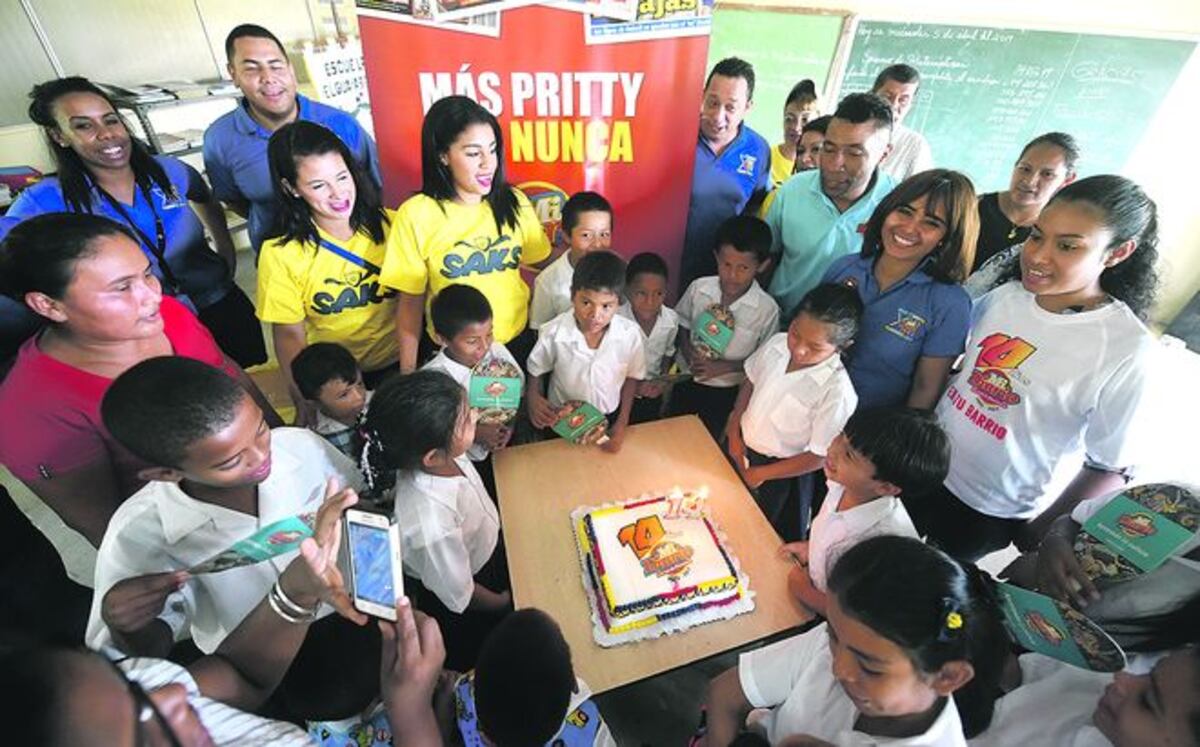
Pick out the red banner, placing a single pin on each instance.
(580, 106)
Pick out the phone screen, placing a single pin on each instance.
(370, 552)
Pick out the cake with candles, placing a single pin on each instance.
(654, 565)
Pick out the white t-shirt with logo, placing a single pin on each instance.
(1035, 387)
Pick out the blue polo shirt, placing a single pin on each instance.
(202, 274)
(721, 187)
(917, 317)
(809, 232)
(235, 157)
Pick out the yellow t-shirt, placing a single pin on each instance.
(433, 244)
(337, 300)
(781, 167)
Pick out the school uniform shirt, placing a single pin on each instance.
(52, 422)
(722, 185)
(794, 678)
(433, 244)
(781, 166)
(449, 528)
(337, 299)
(1035, 387)
(226, 725)
(660, 343)
(915, 318)
(235, 158)
(551, 291)
(835, 531)
(793, 412)
(577, 372)
(996, 231)
(203, 275)
(1158, 592)
(910, 154)
(1052, 706)
(755, 319)
(462, 374)
(808, 232)
(160, 528)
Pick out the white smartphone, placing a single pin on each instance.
(376, 575)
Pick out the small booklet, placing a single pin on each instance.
(276, 538)
(713, 331)
(495, 390)
(1050, 627)
(1136, 532)
(580, 422)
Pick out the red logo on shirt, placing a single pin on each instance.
(992, 380)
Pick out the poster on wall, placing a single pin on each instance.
(618, 119)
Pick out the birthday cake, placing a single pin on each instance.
(655, 565)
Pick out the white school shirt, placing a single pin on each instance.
(755, 318)
(660, 343)
(577, 372)
(161, 528)
(910, 154)
(791, 413)
(1036, 387)
(449, 528)
(1053, 706)
(835, 531)
(794, 678)
(462, 374)
(225, 724)
(551, 291)
(1158, 592)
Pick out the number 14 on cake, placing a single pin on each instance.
(655, 565)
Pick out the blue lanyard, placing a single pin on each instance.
(354, 259)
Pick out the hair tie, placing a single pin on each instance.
(952, 620)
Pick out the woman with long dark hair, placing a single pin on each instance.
(467, 225)
(104, 170)
(318, 276)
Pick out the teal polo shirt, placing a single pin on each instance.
(808, 233)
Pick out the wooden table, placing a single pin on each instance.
(540, 484)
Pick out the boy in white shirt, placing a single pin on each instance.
(645, 290)
(590, 353)
(795, 399)
(220, 474)
(419, 427)
(462, 325)
(881, 454)
(743, 252)
(587, 224)
(524, 691)
(326, 374)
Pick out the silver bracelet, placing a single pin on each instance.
(289, 610)
(296, 608)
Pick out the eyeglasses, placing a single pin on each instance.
(144, 711)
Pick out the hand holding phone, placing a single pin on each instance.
(376, 574)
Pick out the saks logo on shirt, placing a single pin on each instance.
(481, 256)
(996, 369)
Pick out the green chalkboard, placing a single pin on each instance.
(784, 47)
(987, 91)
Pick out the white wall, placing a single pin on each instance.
(1166, 162)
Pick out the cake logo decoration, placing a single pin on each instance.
(658, 555)
(1045, 629)
(1137, 524)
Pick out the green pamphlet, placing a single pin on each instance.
(276, 538)
(1050, 627)
(1137, 531)
(579, 420)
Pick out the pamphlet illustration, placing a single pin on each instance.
(277, 538)
(1050, 627)
(1136, 532)
(581, 422)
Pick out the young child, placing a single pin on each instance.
(590, 353)
(421, 426)
(908, 628)
(881, 454)
(328, 377)
(795, 399)
(743, 252)
(645, 290)
(524, 691)
(462, 325)
(811, 140)
(587, 224)
(221, 475)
